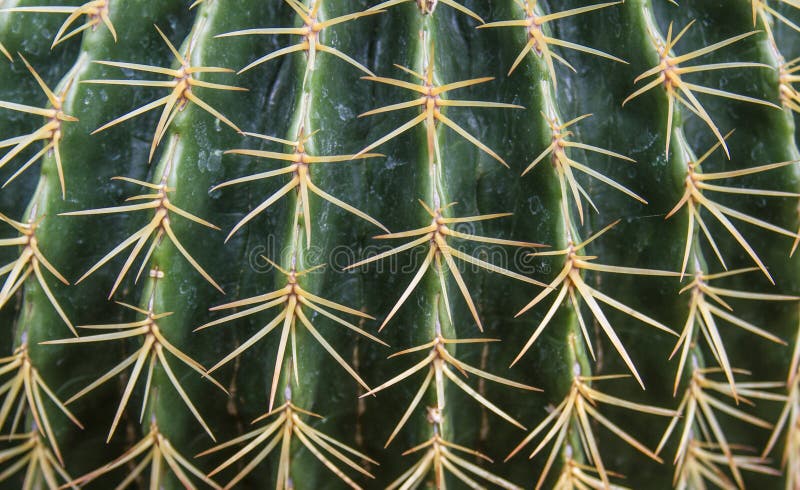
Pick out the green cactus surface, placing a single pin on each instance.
(323, 244)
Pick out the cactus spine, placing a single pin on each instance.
(408, 243)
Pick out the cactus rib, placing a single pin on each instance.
(51, 132)
(540, 43)
(96, 11)
(182, 86)
(328, 408)
(299, 167)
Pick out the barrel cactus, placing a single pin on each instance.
(399, 244)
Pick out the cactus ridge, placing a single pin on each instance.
(668, 73)
(294, 297)
(311, 31)
(50, 132)
(155, 230)
(541, 44)
(299, 168)
(569, 281)
(31, 260)
(568, 168)
(152, 352)
(96, 11)
(435, 236)
(287, 425)
(184, 80)
(578, 408)
(439, 411)
(433, 103)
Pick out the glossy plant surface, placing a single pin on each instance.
(324, 244)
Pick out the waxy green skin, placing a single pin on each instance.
(386, 188)
(763, 135)
(66, 370)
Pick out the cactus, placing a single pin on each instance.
(400, 244)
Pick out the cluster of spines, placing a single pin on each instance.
(570, 426)
(704, 453)
(786, 429)
(696, 462)
(155, 348)
(439, 454)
